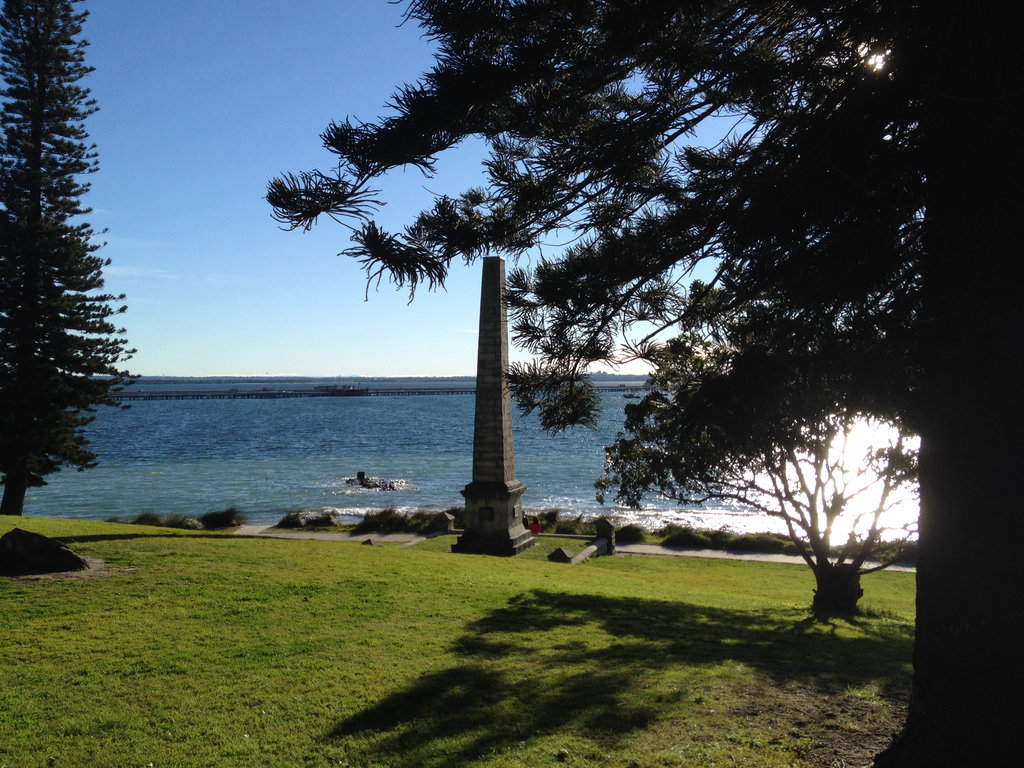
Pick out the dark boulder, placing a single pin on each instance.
(560, 555)
(24, 552)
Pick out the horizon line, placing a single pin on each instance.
(339, 376)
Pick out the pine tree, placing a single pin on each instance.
(863, 201)
(59, 351)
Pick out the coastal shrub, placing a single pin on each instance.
(326, 518)
(321, 518)
(549, 519)
(390, 520)
(459, 513)
(674, 535)
(721, 538)
(304, 518)
(577, 526)
(761, 543)
(292, 519)
(420, 521)
(147, 518)
(630, 534)
(225, 518)
(383, 521)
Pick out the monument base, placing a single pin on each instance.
(494, 520)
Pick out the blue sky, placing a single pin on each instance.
(201, 103)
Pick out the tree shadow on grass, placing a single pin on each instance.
(530, 669)
(91, 537)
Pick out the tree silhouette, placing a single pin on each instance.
(831, 478)
(59, 351)
(861, 195)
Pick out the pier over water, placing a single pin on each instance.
(276, 394)
(269, 393)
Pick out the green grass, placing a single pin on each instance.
(205, 649)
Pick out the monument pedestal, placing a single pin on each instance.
(494, 520)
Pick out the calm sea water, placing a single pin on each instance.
(265, 457)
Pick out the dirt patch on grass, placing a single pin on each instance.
(98, 569)
(828, 730)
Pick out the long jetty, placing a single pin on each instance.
(267, 393)
(274, 394)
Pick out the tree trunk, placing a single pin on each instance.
(968, 674)
(837, 588)
(965, 701)
(15, 486)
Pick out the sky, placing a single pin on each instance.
(201, 103)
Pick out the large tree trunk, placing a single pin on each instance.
(837, 588)
(965, 706)
(15, 486)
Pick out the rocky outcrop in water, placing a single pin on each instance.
(374, 483)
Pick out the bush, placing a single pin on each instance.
(226, 518)
(761, 543)
(302, 518)
(321, 519)
(576, 527)
(459, 513)
(684, 536)
(720, 538)
(147, 518)
(292, 519)
(390, 520)
(549, 519)
(630, 534)
(384, 521)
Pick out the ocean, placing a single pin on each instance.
(269, 456)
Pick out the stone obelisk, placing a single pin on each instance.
(494, 511)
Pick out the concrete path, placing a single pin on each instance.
(656, 550)
(648, 550)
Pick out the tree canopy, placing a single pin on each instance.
(59, 351)
(854, 199)
(591, 111)
(837, 479)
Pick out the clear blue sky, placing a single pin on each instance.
(201, 103)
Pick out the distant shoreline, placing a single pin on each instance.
(277, 378)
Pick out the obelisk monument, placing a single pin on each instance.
(494, 511)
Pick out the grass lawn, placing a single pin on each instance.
(201, 649)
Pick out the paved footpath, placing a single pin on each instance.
(649, 550)
(656, 550)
